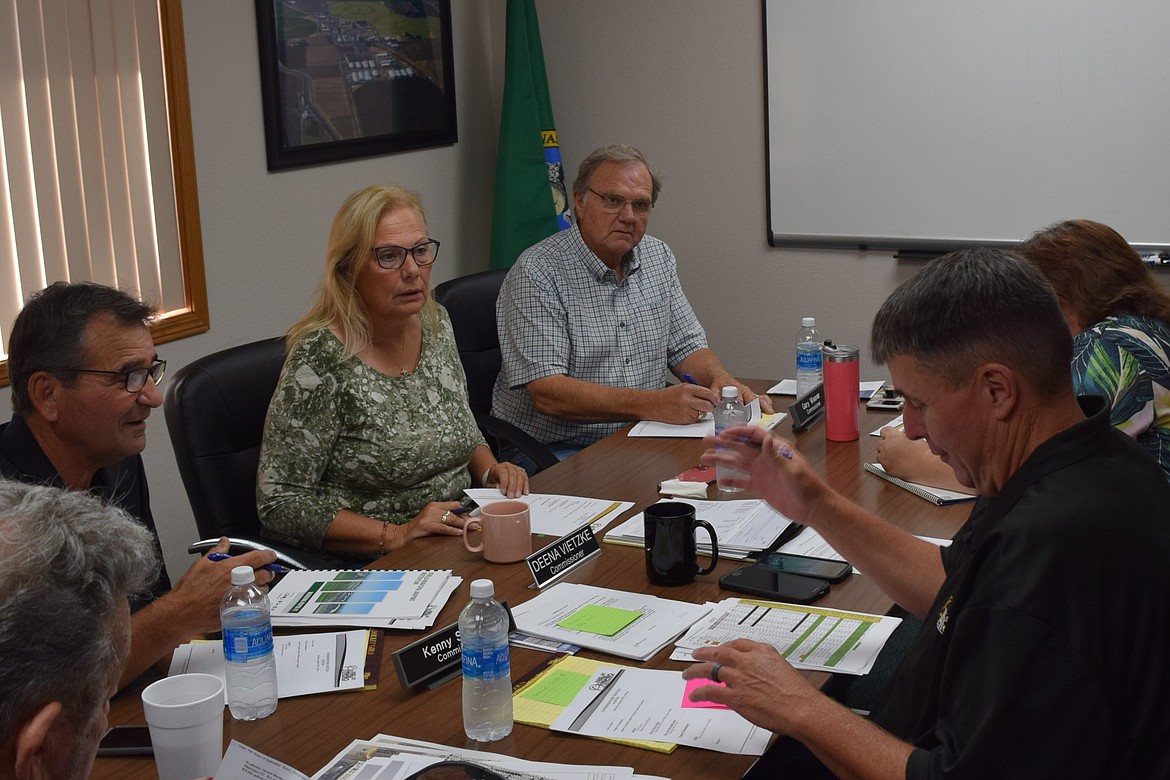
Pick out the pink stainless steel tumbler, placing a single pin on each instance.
(842, 388)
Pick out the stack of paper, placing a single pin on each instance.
(653, 704)
(630, 625)
(392, 758)
(742, 527)
(701, 428)
(827, 640)
(387, 758)
(367, 598)
(305, 663)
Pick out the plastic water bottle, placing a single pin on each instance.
(808, 357)
(729, 412)
(247, 647)
(487, 670)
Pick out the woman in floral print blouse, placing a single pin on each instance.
(369, 441)
(1119, 316)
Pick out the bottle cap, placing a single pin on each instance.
(730, 391)
(808, 322)
(243, 575)
(481, 589)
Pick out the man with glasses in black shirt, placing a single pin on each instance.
(85, 377)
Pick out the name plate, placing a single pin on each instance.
(555, 560)
(807, 410)
(436, 658)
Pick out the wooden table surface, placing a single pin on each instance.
(306, 732)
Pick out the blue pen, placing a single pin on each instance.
(275, 568)
(690, 380)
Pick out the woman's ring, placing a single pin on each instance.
(715, 672)
(446, 517)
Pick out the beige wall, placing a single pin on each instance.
(681, 79)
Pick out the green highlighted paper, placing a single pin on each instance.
(558, 687)
(595, 619)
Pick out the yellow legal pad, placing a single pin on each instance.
(541, 700)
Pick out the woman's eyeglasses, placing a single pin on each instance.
(392, 257)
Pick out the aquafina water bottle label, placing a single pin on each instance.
(246, 643)
(486, 663)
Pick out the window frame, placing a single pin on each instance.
(194, 317)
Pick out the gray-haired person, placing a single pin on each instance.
(593, 319)
(68, 567)
(1045, 638)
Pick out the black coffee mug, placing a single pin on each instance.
(670, 543)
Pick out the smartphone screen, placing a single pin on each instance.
(822, 568)
(775, 585)
(126, 741)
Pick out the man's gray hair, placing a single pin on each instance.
(67, 565)
(977, 306)
(615, 153)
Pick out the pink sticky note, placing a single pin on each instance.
(699, 682)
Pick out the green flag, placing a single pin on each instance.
(531, 202)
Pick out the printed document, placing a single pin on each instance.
(362, 597)
(305, 663)
(742, 527)
(555, 515)
(827, 640)
(701, 428)
(648, 704)
(630, 625)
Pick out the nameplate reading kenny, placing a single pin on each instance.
(433, 656)
(805, 411)
(557, 559)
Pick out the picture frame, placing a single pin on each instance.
(356, 78)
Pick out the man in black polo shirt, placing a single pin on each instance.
(1045, 638)
(84, 379)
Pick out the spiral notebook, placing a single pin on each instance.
(934, 495)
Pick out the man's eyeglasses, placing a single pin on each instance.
(135, 378)
(614, 204)
(392, 257)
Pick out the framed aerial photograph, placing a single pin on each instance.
(354, 78)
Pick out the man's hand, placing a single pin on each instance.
(776, 472)
(198, 593)
(757, 683)
(684, 403)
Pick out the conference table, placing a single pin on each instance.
(306, 732)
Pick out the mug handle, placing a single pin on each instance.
(467, 531)
(714, 544)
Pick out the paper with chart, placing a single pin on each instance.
(364, 597)
(742, 527)
(630, 625)
(827, 640)
(648, 704)
(555, 515)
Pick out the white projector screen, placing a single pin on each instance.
(935, 124)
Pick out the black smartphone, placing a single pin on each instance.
(821, 568)
(774, 585)
(126, 741)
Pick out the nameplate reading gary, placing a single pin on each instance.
(559, 558)
(436, 657)
(808, 409)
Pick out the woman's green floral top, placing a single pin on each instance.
(342, 435)
(1126, 359)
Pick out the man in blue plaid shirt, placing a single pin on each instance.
(593, 317)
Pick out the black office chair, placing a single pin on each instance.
(471, 302)
(215, 409)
